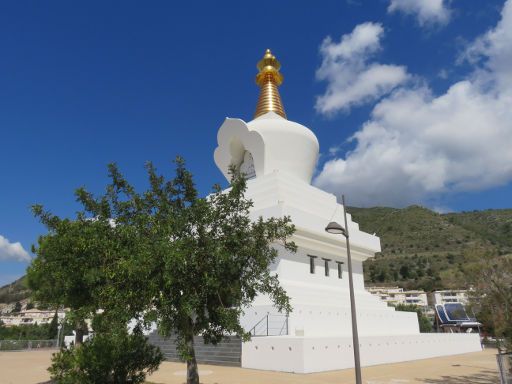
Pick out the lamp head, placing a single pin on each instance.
(335, 229)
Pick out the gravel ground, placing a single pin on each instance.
(472, 368)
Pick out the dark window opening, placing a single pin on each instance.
(311, 263)
(326, 264)
(340, 269)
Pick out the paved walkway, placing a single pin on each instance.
(471, 368)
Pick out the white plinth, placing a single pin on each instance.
(317, 354)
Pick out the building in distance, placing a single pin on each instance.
(31, 317)
(396, 295)
(448, 296)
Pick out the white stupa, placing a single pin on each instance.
(279, 157)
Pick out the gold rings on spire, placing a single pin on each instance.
(269, 79)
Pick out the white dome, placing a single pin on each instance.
(271, 142)
(289, 147)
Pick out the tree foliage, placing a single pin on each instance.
(492, 298)
(113, 357)
(67, 271)
(17, 307)
(26, 332)
(190, 263)
(53, 327)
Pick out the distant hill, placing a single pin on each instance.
(493, 224)
(428, 250)
(16, 291)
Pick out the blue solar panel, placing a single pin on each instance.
(456, 312)
(442, 315)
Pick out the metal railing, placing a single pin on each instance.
(504, 361)
(271, 325)
(20, 345)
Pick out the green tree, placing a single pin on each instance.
(17, 307)
(492, 297)
(192, 263)
(24, 332)
(404, 271)
(53, 328)
(72, 270)
(68, 270)
(112, 356)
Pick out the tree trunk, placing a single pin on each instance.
(79, 334)
(192, 372)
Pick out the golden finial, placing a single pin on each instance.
(269, 79)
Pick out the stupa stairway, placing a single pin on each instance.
(228, 352)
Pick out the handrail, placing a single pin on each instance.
(258, 323)
(267, 329)
(285, 323)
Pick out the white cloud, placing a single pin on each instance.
(428, 12)
(418, 147)
(12, 251)
(493, 51)
(443, 74)
(351, 79)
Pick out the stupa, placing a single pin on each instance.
(279, 157)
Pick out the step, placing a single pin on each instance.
(209, 355)
(227, 352)
(209, 358)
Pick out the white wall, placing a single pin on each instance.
(310, 354)
(321, 304)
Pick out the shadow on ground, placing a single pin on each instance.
(483, 377)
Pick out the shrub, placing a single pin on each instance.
(107, 358)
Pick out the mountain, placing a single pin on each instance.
(494, 224)
(13, 293)
(16, 291)
(422, 249)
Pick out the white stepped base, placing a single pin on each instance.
(318, 354)
(326, 321)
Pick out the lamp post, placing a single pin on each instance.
(337, 229)
(58, 334)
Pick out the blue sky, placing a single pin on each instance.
(408, 99)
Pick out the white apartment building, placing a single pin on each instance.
(31, 317)
(396, 295)
(449, 296)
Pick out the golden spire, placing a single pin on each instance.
(269, 79)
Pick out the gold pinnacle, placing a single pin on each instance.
(269, 79)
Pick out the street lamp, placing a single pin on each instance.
(336, 229)
(58, 334)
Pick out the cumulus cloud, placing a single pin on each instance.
(417, 146)
(493, 53)
(351, 78)
(427, 12)
(12, 251)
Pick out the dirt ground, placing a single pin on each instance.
(472, 368)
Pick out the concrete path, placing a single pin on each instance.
(471, 368)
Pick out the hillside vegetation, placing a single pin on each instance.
(422, 249)
(494, 224)
(16, 291)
